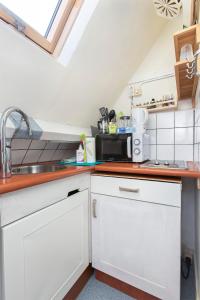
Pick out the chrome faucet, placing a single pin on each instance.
(5, 143)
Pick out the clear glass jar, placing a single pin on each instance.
(125, 124)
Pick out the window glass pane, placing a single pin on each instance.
(36, 13)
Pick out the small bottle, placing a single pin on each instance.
(80, 154)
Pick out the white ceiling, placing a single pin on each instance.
(115, 42)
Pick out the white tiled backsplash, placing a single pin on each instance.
(172, 135)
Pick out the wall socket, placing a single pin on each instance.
(137, 91)
(187, 253)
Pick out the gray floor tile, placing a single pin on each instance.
(96, 290)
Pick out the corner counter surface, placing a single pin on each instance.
(17, 182)
(193, 170)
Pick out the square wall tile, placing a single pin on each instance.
(20, 144)
(73, 145)
(32, 156)
(63, 154)
(151, 124)
(184, 135)
(165, 120)
(68, 146)
(153, 152)
(197, 117)
(59, 154)
(196, 153)
(63, 146)
(165, 152)
(37, 145)
(17, 156)
(70, 154)
(184, 118)
(152, 134)
(165, 136)
(47, 155)
(197, 135)
(51, 145)
(184, 152)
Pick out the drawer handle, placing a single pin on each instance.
(73, 192)
(94, 211)
(132, 190)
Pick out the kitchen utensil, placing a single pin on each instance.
(105, 125)
(102, 111)
(112, 115)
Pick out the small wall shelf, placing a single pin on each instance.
(159, 105)
(186, 88)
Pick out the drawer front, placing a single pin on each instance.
(167, 193)
(16, 205)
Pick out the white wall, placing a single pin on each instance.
(102, 62)
(159, 61)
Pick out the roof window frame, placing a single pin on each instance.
(64, 16)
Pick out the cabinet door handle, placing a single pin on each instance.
(132, 190)
(94, 211)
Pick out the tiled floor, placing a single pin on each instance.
(96, 290)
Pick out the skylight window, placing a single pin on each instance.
(41, 21)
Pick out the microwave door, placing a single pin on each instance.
(114, 147)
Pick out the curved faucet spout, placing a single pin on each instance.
(5, 155)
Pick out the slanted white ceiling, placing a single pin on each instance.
(116, 40)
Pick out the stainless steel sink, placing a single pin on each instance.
(36, 169)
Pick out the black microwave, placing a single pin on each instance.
(114, 147)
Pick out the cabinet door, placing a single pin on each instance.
(139, 243)
(45, 253)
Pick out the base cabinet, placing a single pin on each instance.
(45, 253)
(137, 241)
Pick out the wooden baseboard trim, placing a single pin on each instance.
(79, 285)
(123, 287)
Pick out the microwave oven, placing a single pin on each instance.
(122, 147)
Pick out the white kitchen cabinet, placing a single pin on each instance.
(46, 252)
(138, 240)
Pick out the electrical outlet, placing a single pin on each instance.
(187, 253)
(137, 91)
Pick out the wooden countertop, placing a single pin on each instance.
(17, 182)
(193, 170)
